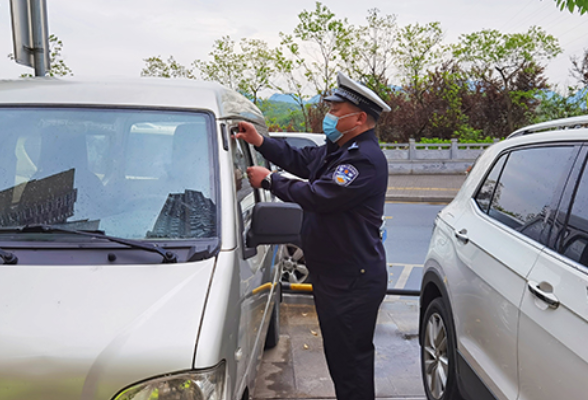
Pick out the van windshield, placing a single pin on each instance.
(136, 174)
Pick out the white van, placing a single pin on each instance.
(136, 261)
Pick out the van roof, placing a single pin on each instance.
(134, 92)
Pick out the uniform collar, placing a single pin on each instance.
(368, 135)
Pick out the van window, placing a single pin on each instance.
(575, 243)
(137, 174)
(245, 192)
(523, 195)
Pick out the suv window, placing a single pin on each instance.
(522, 197)
(484, 196)
(575, 242)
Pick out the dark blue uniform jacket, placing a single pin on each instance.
(343, 201)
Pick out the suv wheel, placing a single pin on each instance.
(438, 353)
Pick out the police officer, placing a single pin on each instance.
(343, 202)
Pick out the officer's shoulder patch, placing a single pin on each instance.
(345, 174)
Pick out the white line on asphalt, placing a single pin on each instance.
(403, 278)
(401, 282)
(425, 188)
(395, 264)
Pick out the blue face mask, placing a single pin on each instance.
(330, 127)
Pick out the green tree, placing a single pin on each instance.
(226, 67)
(58, 66)
(579, 69)
(500, 58)
(446, 88)
(554, 105)
(290, 81)
(573, 5)
(418, 47)
(248, 70)
(281, 116)
(326, 40)
(371, 54)
(259, 61)
(56, 61)
(166, 69)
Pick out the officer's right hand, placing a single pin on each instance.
(248, 133)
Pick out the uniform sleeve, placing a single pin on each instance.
(291, 159)
(342, 188)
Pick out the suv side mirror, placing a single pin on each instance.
(274, 223)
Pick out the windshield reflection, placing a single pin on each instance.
(132, 174)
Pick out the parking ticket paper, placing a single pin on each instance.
(345, 174)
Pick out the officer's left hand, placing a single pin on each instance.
(256, 175)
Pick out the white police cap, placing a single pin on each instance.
(359, 95)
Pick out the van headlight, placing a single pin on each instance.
(206, 384)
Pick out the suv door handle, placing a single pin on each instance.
(544, 296)
(462, 236)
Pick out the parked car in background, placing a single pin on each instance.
(136, 261)
(294, 268)
(504, 307)
(300, 139)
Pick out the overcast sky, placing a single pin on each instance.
(112, 37)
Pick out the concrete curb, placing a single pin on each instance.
(418, 199)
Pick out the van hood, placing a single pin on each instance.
(86, 332)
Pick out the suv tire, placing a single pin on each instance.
(438, 353)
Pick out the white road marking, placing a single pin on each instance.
(404, 275)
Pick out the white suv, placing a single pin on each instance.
(504, 302)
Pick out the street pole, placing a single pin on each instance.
(38, 43)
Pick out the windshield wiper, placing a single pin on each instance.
(168, 256)
(8, 258)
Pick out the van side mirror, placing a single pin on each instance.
(274, 223)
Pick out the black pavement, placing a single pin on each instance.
(296, 368)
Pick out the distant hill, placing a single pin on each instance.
(283, 98)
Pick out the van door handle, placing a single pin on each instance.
(462, 236)
(542, 295)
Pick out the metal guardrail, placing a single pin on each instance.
(306, 288)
